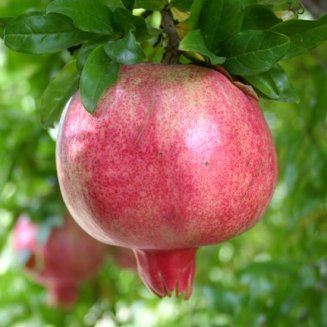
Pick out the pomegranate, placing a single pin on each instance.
(67, 257)
(124, 258)
(174, 157)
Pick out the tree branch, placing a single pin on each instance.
(316, 7)
(171, 55)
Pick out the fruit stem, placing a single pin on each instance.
(171, 55)
(166, 271)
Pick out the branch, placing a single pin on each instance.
(316, 7)
(171, 55)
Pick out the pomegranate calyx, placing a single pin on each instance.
(166, 271)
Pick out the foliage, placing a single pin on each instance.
(246, 37)
(273, 275)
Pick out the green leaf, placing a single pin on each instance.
(264, 83)
(57, 93)
(258, 17)
(304, 34)
(95, 17)
(274, 84)
(193, 41)
(86, 49)
(125, 21)
(126, 50)
(196, 9)
(254, 52)
(98, 74)
(183, 5)
(3, 22)
(129, 4)
(288, 5)
(42, 34)
(218, 20)
(149, 4)
(114, 4)
(6, 168)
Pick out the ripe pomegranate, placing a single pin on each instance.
(67, 257)
(174, 157)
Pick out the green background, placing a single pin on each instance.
(273, 275)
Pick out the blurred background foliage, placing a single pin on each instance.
(273, 275)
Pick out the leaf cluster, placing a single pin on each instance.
(274, 275)
(247, 38)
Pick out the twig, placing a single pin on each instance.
(171, 55)
(316, 7)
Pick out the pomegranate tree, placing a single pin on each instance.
(68, 257)
(174, 157)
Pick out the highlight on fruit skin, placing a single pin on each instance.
(174, 157)
(68, 257)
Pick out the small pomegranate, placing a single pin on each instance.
(123, 257)
(68, 257)
(174, 157)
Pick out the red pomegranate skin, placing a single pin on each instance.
(68, 257)
(173, 158)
